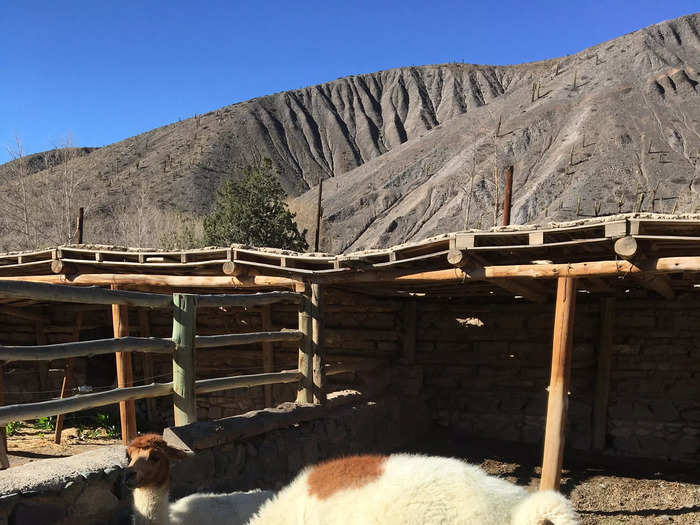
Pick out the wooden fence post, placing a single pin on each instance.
(4, 460)
(268, 351)
(184, 330)
(319, 373)
(125, 372)
(602, 386)
(148, 372)
(67, 383)
(305, 393)
(559, 383)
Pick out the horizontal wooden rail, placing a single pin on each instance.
(213, 341)
(246, 300)
(71, 294)
(86, 349)
(204, 386)
(29, 411)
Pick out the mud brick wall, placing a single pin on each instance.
(489, 381)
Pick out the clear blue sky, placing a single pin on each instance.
(104, 71)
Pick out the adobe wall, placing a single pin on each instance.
(489, 381)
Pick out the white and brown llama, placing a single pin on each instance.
(405, 489)
(148, 474)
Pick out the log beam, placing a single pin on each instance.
(602, 386)
(628, 248)
(559, 384)
(168, 281)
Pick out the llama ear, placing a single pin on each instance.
(175, 454)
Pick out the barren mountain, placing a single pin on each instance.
(410, 151)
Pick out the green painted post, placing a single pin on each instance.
(184, 330)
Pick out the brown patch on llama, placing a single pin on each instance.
(149, 461)
(325, 479)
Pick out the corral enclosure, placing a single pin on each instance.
(448, 339)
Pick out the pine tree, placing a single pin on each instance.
(253, 211)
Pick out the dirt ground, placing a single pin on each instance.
(604, 490)
(29, 444)
(603, 498)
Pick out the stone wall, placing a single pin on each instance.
(485, 376)
(87, 489)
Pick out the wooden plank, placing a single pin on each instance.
(27, 411)
(148, 370)
(184, 330)
(318, 350)
(268, 352)
(246, 300)
(125, 373)
(602, 386)
(50, 292)
(67, 383)
(213, 341)
(206, 386)
(305, 392)
(536, 238)
(409, 321)
(559, 384)
(86, 349)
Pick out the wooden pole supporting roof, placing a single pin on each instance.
(559, 384)
(628, 248)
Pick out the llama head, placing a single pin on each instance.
(149, 461)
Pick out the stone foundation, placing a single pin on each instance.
(87, 489)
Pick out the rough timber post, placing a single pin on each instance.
(67, 378)
(507, 193)
(268, 351)
(319, 374)
(559, 383)
(184, 330)
(4, 461)
(305, 393)
(125, 373)
(602, 386)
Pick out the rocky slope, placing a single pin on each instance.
(402, 150)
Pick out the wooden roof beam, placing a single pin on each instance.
(628, 248)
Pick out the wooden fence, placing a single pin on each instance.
(182, 345)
